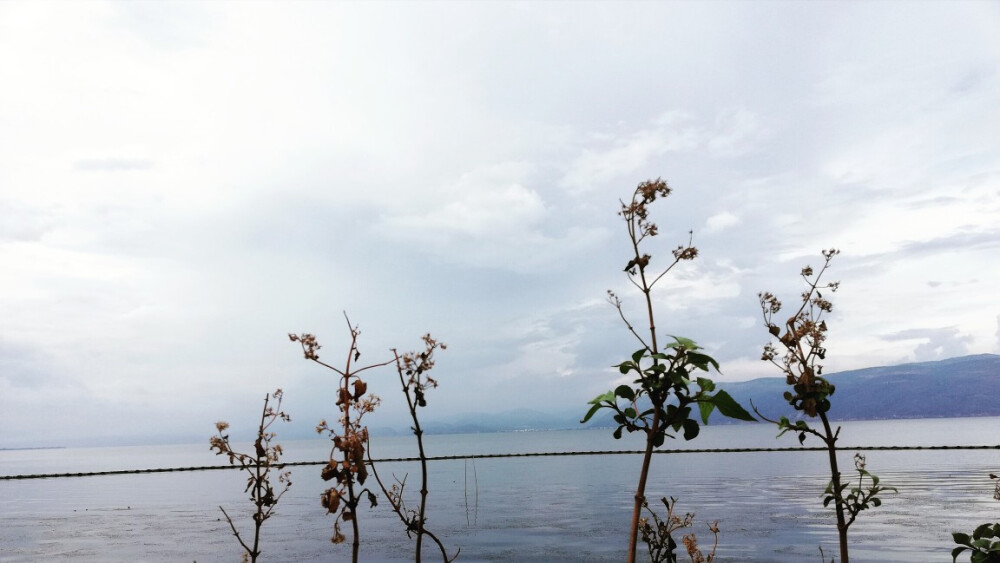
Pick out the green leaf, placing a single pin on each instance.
(706, 408)
(706, 385)
(630, 413)
(679, 377)
(625, 392)
(624, 367)
(691, 429)
(729, 407)
(590, 413)
(702, 361)
(609, 397)
(982, 531)
(982, 543)
(961, 538)
(956, 552)
(617, 433)
(658, 439)
(823, 406)
(638, 354)
(682, 343)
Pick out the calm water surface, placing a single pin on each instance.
(526, 509)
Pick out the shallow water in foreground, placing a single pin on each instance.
(573, 508)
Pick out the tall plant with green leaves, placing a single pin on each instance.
(666, 387)
(798, 354)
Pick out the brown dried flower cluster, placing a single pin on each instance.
(309, 344)
(412, 368)
(258, 467)
(347, 465)
(801, 337)
(415, 367)
(658, 535)
(645, 193)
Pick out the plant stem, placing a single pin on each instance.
(352, 500)
(831, 447)
(640, 492)
(259, 479)
(423, 483)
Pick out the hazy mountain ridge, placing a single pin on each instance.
(955, 387)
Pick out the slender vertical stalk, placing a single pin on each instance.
(802, 339)
(831, 447)
(423, 485)
(258, 485)
(640, 491)
(412, 369)
(351, 439)
(258, 466)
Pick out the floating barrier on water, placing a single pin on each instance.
(490, 456)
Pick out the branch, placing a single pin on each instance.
(613, 299)
(235, 532)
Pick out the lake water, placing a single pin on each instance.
(569, 508)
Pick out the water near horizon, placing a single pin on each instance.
(569, 508)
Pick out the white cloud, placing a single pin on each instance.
(733, 133)
(935, 344)
(737, 132)
(485, 203)
(721, 221)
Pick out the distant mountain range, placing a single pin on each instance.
(956, 387)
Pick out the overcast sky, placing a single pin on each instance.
(183, 184)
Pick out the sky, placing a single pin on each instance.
(184, 184)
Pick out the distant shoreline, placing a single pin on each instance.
(34, 448)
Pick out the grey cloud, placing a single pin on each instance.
(968, 240)
(964, 241)
(23, 366)
(939, 343)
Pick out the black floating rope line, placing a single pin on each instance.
(497, 456)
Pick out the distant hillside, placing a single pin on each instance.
(957, 387)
